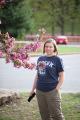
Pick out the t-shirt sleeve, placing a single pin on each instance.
(37, 62)
(60, 66)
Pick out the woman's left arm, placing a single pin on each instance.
(61, 80)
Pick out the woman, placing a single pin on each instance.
(48, 81)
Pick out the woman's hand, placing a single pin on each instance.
(57, 88)
(32, 91)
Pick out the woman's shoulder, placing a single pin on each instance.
(41, 57)
(58, 58)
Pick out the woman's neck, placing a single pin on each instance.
(50, 55)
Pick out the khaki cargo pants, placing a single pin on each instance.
(50, 105)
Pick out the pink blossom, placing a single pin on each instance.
(1, 54)
(17, 63)
(20, 57)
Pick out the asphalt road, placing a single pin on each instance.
(22, 79)
(72, 73)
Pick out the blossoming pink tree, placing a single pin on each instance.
(19, 57)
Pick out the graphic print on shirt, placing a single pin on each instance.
(42, 66)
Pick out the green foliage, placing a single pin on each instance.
(55, 15)
(27, 16)
(16, 18)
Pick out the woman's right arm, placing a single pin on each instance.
(34, 84)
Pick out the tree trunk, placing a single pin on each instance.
(62, 27)
(72, 26)
(52, 28)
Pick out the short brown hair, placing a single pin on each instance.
(54, 44)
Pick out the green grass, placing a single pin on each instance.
(64, 49)
(22, 110)
(71, 106)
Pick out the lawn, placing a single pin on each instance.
(67, 49)
(22, 110)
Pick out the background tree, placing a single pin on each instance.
(42, 14)
(74, 15)
(16, 17)
(58, 16)
(54, 11)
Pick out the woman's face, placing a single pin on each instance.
(49, 49)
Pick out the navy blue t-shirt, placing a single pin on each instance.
(48, 69)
